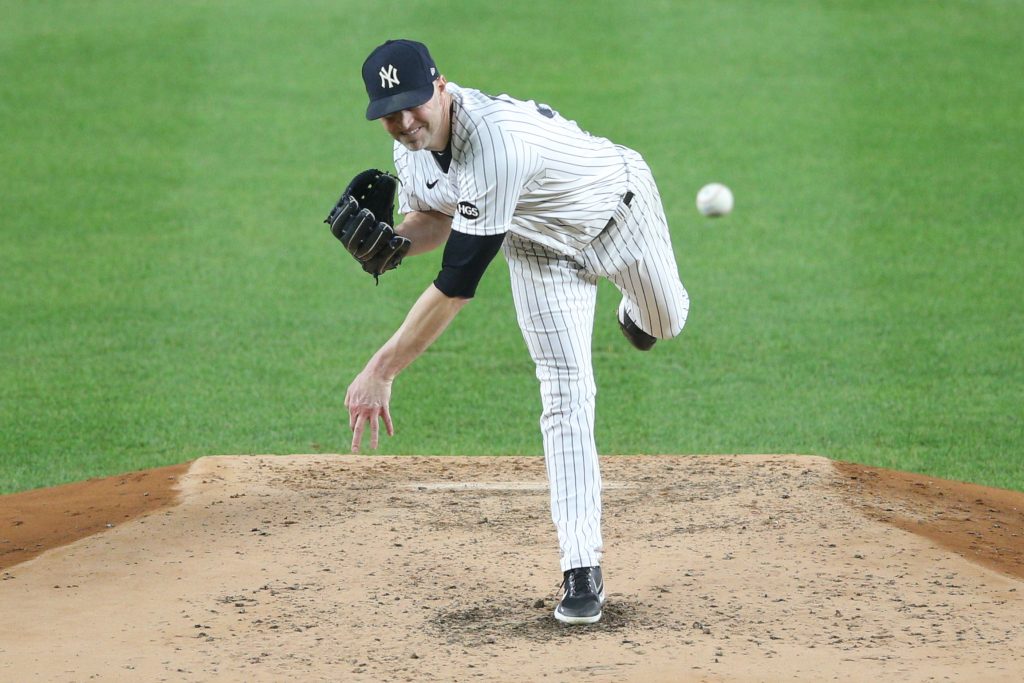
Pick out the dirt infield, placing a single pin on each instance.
(719, 568)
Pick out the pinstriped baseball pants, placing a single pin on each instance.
(555, 298)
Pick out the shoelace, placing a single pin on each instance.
(579, 581)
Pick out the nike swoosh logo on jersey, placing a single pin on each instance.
(430, 185)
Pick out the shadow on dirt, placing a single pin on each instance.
(526, 620)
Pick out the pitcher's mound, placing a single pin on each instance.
(724, 568)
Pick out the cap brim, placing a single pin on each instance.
(405, 100)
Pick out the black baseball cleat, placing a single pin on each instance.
(584, 596)
(634, 334)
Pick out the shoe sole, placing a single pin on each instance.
(565, 619)
(577, 620)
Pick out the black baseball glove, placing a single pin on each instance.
(362, 221)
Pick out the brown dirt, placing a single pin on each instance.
(984, 525)
(35, 521)
(720, 568)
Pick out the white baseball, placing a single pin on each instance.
(714, 199)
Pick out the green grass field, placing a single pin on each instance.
(168, 289)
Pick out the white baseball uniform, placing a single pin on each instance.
(574, 208)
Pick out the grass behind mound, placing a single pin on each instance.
(169, 290)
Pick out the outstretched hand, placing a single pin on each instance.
(369, 394)
(367, 401)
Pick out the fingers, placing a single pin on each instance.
(357, 434)
(367, 401)
(374, 432)
(356, 423)
(358, 420)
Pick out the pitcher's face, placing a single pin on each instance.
(424, 127)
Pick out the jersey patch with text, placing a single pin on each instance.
(468, 211)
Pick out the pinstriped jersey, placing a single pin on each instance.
(516, 166)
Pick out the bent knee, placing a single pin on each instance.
(674, 320)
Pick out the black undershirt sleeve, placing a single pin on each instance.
(465, 259)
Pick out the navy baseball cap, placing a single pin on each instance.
(398, 75)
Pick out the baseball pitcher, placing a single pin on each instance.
(485, 173)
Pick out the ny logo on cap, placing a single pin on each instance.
(389, 76)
